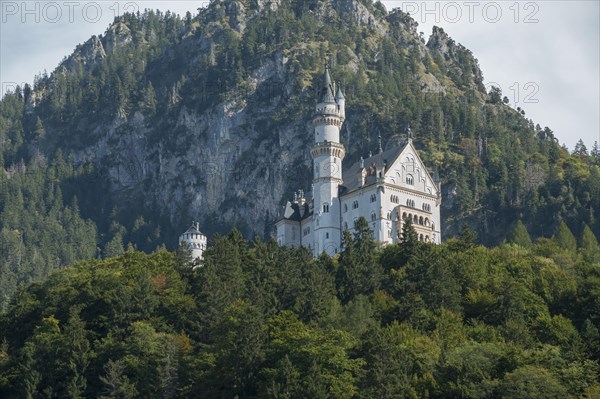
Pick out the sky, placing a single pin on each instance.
(544, 55)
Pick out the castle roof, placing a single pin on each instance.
(193, 229)
(296, 212)
(371, 165)
(326, 94)
(339, 95)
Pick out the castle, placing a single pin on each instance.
(387, 189)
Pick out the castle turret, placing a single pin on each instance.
(195, 240)
(327, 154)
(341, 101)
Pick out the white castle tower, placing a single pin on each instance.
(327, 154)
(195, 240)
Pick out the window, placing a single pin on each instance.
(395, 199)
(421, 220)
(427, 222)
(427, 207)
(345, 225)
(373, 197)
(410, 180)
(373, 217)
(306, 231)
(389, 233)
(326, 235)
(355, 205)
(410, 203)
(389, 216)
(325, 207)
(345, 207)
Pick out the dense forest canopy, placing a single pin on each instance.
(257, 320)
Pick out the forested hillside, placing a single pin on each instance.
(163, 119)
(257, 320)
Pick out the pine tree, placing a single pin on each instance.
(39, 132)
(588, 246)
(580, 149)
(149, 101)
(596, 153)
(358, 272)
(114, 247)
(520, 235)
(564, 238)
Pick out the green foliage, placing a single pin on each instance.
(257, 320)
(358, 272)
(532, 382)
(520, 235)
(588, 246)
(564, 238)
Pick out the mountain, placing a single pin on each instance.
(162, 119)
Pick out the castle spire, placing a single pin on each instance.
(380, 149)
(339, 95)
(326, 92)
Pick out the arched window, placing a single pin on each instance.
(426, 238)
(373, 198)
(345, 225)
(421, 220)
(355, 205)
(415, 220)
(327, 235)
(404, 215)
(421, 237)
(325, 207)
(373, 217)
(389, 216)
(345, 207)
(410, 180)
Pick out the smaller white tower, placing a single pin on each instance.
(195, 240)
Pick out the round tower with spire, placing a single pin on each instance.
(327, 154)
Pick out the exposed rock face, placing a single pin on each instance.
(118, 35)
(455, 56)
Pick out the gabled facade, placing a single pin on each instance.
(386, 189)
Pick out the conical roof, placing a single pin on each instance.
(326, 94)
(339, 95)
